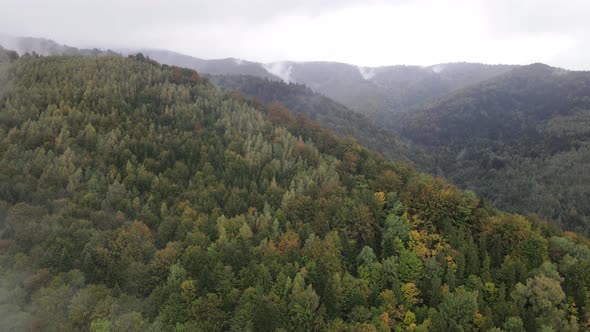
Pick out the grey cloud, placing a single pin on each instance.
(538, 16)
(251, 28)
(148, 12)
(568, 19)
(123, 22)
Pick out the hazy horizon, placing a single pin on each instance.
(126, 51)
(364, 33)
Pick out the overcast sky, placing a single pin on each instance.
(367, 32)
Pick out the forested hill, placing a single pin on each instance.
(138, 197)
(7, 55)
(520, 139)
(229, 66)
(509, 105)
(46, 47)
(379, 93)
(382, 92)
(326, 112)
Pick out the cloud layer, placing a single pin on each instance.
(368, 33)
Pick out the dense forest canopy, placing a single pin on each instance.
(520, 140)
(329, 114)
(515, 135)
(139, 197)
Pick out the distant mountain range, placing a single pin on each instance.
(325, 111)
(517, 135)
(46, 47)
(373, 91)
(136, 196)
(213, 67)
(521, 139)
(514, 134)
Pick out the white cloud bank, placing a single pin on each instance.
(366, 33)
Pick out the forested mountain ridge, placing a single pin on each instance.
(520, 140)
(7, 55)
(46, 47)
(138, 197)
(229, 66)
(500, 107)
(382, 92)
(376, 92)
(326, 112)
(497, 116)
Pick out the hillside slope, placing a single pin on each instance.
(487, 128)
(326, 112)
(138, 197)
(46, 47)
(520, 139)
(379, 93)
(229, 66)
(382, 92)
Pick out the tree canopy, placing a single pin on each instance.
(138, 197)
